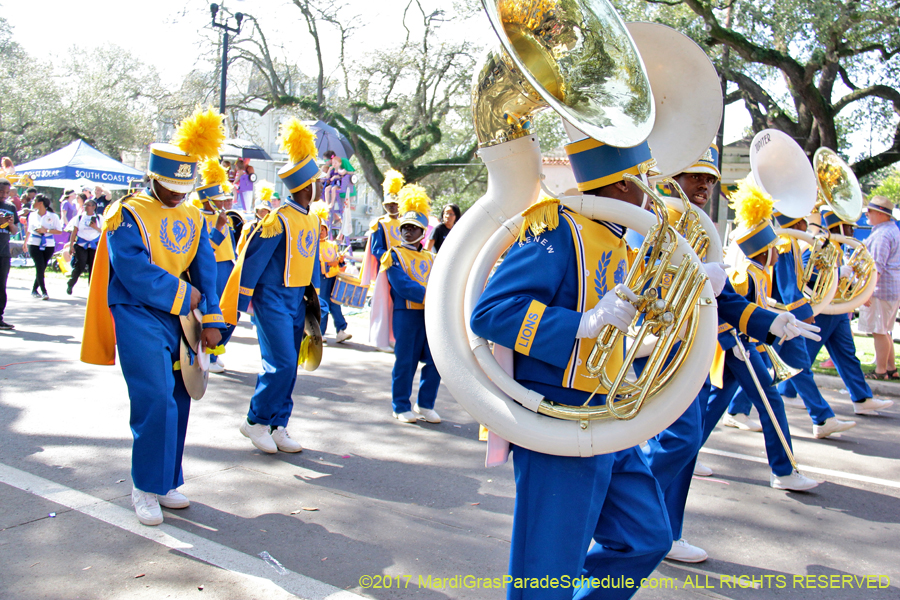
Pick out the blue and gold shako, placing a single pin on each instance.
(757, 240)
(596, 164)
(172, 168)
(211, 192)
(298, 175)
(785, 221)
(299, 143)
(708, 163)
(830, 219)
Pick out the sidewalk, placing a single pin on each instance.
(879, 388)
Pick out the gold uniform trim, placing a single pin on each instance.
(529, 327)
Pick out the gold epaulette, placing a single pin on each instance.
(783, 244)
(386, 259)
(112, 216)
(270, 226)
(541, 216)
(374, 225)
(741, 282)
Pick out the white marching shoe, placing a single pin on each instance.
(701, 470)
(429, 414)
(283, 440)
(174, 499)
(870, 406)
(217, 367)
(683, 552)
(342, 336)
(407, 416)
(795, 482)
(260, 436)
(831, 426)
(741, 421)
(146, 507)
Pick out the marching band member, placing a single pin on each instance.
(406, 267)
(838, 340)
(330, 265)
(221, 236)
(756, 239)
(277, 267)
(136, 296)
(385, 234)
(672, 454)
(787, 288)
(545, 286)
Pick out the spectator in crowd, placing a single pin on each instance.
(28, 198)
(449, 217)
(43, 224)
(103, 198)
(83, 241)
(276, 200)
(333, 183)
(244, 186)
(235, 182)
(68, 206)
(880, 312)
(8, 226)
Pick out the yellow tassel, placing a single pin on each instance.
(320, 209)
(541, 216)
(266, 190)
(201, 134)
(304, 350)
(270, 226)
(297, 141)
(112, 217)
(213, 172)
(176, 366)
(413, 197)
(393, 182)
(218, 350)
(751, 205)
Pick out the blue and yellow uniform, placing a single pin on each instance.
(274, 269)
(223, 244)
(385, 235)
(408, 268)
(533, 304)
(136, 297)
(330, 264)
(837, 339)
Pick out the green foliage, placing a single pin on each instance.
(889, 186)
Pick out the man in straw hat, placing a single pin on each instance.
(275, 268)
(879, 315)
(137, 294)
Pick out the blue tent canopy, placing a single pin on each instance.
(79, 164)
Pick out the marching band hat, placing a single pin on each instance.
(415, 206)
(300, 145)
(596, 164)
(785, 221)
(708, 163)
(829, 219)
(882, 205)
(392, 184)
(214, 177)
(753, 211)
(197, 138)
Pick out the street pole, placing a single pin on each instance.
(223, 25)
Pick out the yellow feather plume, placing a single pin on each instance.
(194, 200)
(320, 209)
(227, 188)
(393, 182)
(266, 190)
(201, 134)
(751, 205)
(213, 172)
(413, 197)
(297, 141)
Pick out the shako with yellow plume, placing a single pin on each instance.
(299, 143)
(197, 138)
(415, 206)
(753, 214)
(392, 184)
(266, 189)
(214, 176)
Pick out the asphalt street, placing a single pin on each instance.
(374, 508)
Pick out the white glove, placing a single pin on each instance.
(717, 277)
(738, 352)
(611, 310)
(786, 326)
(845, 271)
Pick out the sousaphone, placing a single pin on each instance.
(577, 58)
(781, 168)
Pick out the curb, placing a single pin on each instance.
(879, 388)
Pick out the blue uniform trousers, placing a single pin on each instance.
(411, 348)
(148, 341)
(223, 271)
(838, 340)
(330, 307)
(279, 314)
(562, 503)
(735, 375)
